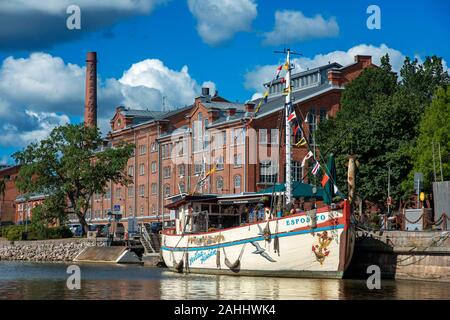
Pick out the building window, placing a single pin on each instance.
(154, 188)
(166, 172)
(296, 171)
(141, 210)
(131, 191)
(142, 149)
(119, 193)
(197, 135)
(166, 150)
(167, 190)
(219, 183)
(268, 172)
(142, 190)
(205, 137)
(130, 210)
(153, 209)
(274, 136)
(198, 166)
(131, 171)
(237, 160)
(153, 147)
(262, 136)
(219, 164)
(323, 114)
(108, 194)
(181, 170)
(238, 135)
(181, 187)
(154, 167)
(180, 145)
(311, 125)
(237, 181)
(141, 169)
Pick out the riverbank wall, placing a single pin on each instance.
(58, 250)
(408, 255)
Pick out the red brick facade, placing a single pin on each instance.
(7, 202)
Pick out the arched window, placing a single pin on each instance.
(219, 183)
(237, 181)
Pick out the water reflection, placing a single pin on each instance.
(19, 280)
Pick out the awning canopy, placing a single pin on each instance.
(298, 190)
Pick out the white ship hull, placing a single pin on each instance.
(292, 248)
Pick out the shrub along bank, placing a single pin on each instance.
(34, 232)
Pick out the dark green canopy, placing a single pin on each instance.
(298, 190)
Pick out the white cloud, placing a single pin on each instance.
(219, 20)
(41, 123)
(40, 24)
(41, 91)
(292, 26)
(254, 79)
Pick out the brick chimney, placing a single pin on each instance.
(335, 77)
(90, 100)
(249, 106)
(364, 60)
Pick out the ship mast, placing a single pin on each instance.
(288, 194)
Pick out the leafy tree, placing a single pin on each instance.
(422, 80)
(434, 128)
(71, 163)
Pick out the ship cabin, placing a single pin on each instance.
(198, 213)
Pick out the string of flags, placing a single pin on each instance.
(266, 93)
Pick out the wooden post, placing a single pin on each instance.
(351, 176)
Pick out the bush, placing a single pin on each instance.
(35, 232)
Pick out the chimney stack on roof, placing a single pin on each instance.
(90, 104)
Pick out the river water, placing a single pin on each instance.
(26, 280)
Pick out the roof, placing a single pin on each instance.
(333, 65)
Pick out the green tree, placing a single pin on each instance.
(71, 162)
(434, 128)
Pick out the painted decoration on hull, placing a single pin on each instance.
(321, 250)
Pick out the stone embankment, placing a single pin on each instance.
(44, 250)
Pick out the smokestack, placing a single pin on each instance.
(90, 106)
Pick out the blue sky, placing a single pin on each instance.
(42, 81)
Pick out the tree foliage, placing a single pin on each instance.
(71, 164)
(434, 130)
(378, 123)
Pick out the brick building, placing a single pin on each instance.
(7, 201)
(175, 149)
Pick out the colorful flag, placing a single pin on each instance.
(316, 168)
(213, 169)
(302, 142)
(292, 116)
(308, 155)
(336, 189)
(266, 94)
(325, 180)
(283, 80)
(278, 72)
(296, 129)
(286, 66)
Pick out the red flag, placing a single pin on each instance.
(325, 180)
(296, 129)
(283, 80)
(291, 117)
